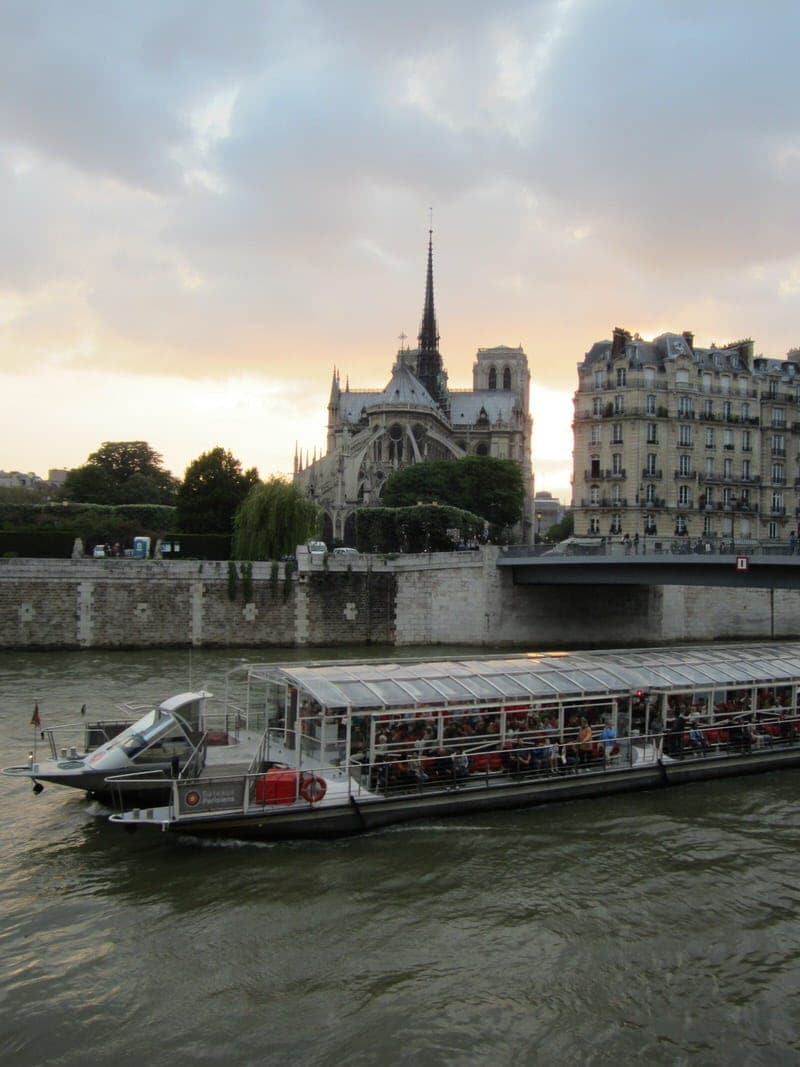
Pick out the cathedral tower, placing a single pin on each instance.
(429, 362)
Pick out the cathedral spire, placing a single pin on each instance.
(428, 335)
(429, 362)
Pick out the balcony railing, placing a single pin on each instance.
(653, 475)
(692, 475)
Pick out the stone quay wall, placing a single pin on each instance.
(459, 598)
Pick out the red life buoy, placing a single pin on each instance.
(313, 789)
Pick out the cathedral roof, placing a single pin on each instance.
(404, 388)
(465, 408)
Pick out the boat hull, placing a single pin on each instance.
(376, 812)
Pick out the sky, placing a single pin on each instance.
(207, 205)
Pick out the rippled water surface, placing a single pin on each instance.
(656, 928)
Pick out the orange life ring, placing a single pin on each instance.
(313, 789)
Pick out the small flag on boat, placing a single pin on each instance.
(35, 718)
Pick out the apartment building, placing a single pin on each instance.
(675, 440)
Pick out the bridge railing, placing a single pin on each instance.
(615, 548)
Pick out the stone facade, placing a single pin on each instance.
(421, 601)
(676, 440)
(415, 418)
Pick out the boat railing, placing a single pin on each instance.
(94, 734)
(196, 760)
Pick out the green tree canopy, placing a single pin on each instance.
(121, 472)
(212, 489)
(491, 488)
(559, 531)
(273, 520)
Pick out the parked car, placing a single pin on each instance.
(99, 552)
(317, 550)
(346, 553)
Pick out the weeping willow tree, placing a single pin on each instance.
(273, 519)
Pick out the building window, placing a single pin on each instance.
(727, 468)
(683, 465)
(772, 531)
(493, 378)
(726, 496)
(778, 472)
(745, 468)
(709, 437)
(778, 417)
(616, 524)
(650, 524)
(599, 379)
(650, 404)
(707, 528)
(726, 410)
(684, 406)
(706, 383)
(683, 496)
(619, 405)
(594, 495)
(616, 498)
(594, 525)
(743, 386)
(745, 411)
(481, 450)
(709, 495)
(597, 405)
(595, 435)
(621, 377)
(778, 444)
(744, 527)
(680, 524)
(727, 439)
(651, 434)
(651, 463)
(708, 409)
(616, 463)
(616, 433)
(595, 461)
(684, 435)
(773, 389)
(709, 466)
(777, 501)
(681, 377)
(507, 378)
(650, 494)
(746, 441)
(649, 377)
(725, 383)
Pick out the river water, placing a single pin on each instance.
(657, 928)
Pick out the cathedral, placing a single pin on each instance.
(417, 417)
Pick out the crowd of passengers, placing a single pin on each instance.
(737, 725)
(408, 750)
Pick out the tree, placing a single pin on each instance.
(559, 531)
(491, 488)
(212, 489)
(273, 520)
(121, 472)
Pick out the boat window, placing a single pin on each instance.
(422, 692)
(390, 692)
(138, 728)
(161, 741)
(359, 695)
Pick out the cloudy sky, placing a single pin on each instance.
(206, 205)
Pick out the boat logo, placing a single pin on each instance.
(192, 799)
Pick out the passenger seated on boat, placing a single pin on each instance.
(697, 738)
(519, 758)
(786, 726)
(460, 765)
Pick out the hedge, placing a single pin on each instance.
(423, 528)
(36, 544)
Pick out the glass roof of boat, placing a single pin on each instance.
(569, 675)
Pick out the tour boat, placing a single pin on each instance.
(177, 736)
(349, 747)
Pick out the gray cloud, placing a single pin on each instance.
(206, 187)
